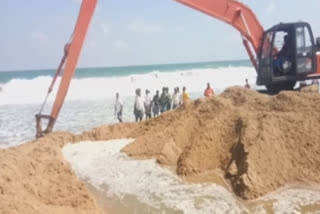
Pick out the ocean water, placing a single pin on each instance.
(90, 100)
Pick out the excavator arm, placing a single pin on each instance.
(72, 54)
(230, 11)
(234, 13)
(237, 15)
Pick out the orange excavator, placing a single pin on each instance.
(281, 55)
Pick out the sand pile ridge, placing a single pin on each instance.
(258, 142)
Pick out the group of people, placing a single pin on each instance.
(159, 103)
(148, 106)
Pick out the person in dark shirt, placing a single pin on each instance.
(247, 85)
(162, 100)
(156, 104)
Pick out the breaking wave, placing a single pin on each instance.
(22, 91)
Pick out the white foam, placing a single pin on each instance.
(290, 200)
(22, 91)
(101, 164)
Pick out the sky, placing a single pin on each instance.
(131, 32)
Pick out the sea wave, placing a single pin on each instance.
(23, 91)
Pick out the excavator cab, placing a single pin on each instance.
(287, 55)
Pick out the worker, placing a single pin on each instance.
(283, 55)
(156, 104)
(209, 91)
(247, 85)
(185, 94)
(138, 106)
(118, 106)
(147, 104)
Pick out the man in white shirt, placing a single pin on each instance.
(138, 106)
(147, 104)
(175, 99)
(118, 106)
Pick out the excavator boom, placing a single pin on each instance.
(234, 13)
(230, 11)
(72, 54)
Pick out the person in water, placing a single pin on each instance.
(209, 91)
(247, 85)
(156, 104)
(138, 106)
(147, 104)
(185, 94)
(118, 107)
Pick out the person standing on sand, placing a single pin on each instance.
(156, 104)
(138, 106)
(185, 94)
(247, 85)
(180, 95)
(175, 99)
(162, 100)
(209, 91)
(168, 100)
(147, 104)
(118, 106)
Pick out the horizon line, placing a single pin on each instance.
(131, 65)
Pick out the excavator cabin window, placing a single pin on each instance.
(305, 50)
(283, 52)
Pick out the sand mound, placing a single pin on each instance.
(259, 142)
(35, 178)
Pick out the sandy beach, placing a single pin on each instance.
(258, 143)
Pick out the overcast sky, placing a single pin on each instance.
(131, 32)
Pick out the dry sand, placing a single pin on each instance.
(257, 142)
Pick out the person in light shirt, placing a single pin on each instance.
(138, 106)
(118, 106)
(175, 99)
(168, 99)
(147, 104)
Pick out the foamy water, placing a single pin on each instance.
(141, 185)
(24, 91)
